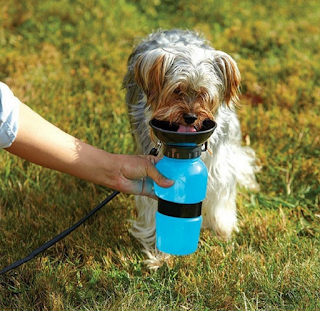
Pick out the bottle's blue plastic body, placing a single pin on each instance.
(177, 236)
(180, 235)
(190, 176)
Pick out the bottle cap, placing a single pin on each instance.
(182, 145)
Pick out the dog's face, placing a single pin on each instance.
(185, 85)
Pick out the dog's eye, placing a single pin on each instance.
(177, 91)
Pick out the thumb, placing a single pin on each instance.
(156, 176)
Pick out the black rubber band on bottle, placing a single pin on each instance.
(179, 210)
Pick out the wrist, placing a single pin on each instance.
(108, 170)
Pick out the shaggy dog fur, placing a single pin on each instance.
(176, 76)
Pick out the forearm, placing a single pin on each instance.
(42, 143)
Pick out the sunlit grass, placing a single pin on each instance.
(66, 59)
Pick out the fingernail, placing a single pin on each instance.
(169, 182)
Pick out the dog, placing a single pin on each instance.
(177, 77)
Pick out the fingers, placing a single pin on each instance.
(137, 174)
(147, 189)
(156, 176)
(153, 159)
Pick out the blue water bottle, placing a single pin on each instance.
(178, 219)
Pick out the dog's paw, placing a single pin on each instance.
(156, 259)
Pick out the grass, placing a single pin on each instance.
(66, 59)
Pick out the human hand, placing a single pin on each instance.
(136, 173)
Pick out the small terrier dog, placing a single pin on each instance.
(176, 76)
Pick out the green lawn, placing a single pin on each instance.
(66, 59)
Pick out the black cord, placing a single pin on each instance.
(60, 236)
(154, 151)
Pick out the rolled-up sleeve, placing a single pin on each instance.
(9, 116)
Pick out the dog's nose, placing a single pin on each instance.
(190, 118)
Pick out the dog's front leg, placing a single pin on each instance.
(144, 230)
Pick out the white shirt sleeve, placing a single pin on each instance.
(9, 116)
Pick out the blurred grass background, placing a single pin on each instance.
(66, 59)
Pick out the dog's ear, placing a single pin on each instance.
(229, 73)
(149, 71)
